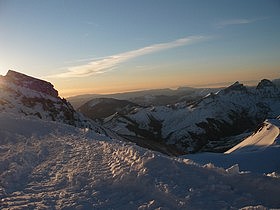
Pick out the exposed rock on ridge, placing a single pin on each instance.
(31, 83)
(35, 98)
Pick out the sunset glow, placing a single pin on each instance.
(116, 46)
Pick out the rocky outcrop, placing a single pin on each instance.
(24, 95)
(31, 83)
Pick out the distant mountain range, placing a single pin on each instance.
(147, 97)
(153, 97)
(197, 122)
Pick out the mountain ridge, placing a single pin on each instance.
(190, 126)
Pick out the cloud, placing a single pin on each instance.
(83, 60)
(102, 65)
(240, 21)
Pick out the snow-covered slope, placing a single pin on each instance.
(76, 169)
(258, 153)
(27, 96)
(268, 134)
(190, 127)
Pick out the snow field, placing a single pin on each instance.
(63, 170)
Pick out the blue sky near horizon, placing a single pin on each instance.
(95, 46)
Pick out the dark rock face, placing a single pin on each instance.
(31, 83)
(276, 82)
(266, 88)
(265, 83)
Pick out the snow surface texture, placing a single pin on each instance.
(79, 169)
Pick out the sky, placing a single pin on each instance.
(107, 46)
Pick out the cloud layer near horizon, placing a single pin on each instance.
(98, 66)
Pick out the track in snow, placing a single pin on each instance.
(60, 172)
(72, 166)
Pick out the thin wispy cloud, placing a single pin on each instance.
(83, 60)
(98, 66)
(239, 21)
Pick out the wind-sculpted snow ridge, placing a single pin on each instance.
(191, 127)
(267, 134)
(259, 153)
(70, 170)
(27, 96)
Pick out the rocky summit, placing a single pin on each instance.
(31, 83)
(27, 96)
